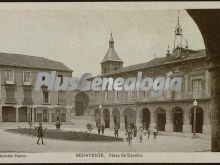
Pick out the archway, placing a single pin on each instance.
(106, 114)
(199, 119)
(22, 114)
(161, 118)
(145, 118)
(129, 117)
(209, 29)
(177, 119)
(116, 116)
(81, 103)
(97, 114)
(8, 114)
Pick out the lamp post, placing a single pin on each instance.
(194, 118)
(100, 109)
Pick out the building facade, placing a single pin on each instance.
(19, 102)
(171, 111)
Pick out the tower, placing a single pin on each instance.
(179, 40)
(111, 61)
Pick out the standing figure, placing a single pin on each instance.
(103, 128)
(116, 130)
(135, 130)
(129, 134)
(148, 132)
(155, 132)
(99, 128)
(40, 133)
(140, 134)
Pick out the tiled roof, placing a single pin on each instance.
(111, 55)
(18, 60)
(160, 62)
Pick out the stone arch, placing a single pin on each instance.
(129, 117)
(145, 117)
(160, 118)
(106, 115)
(177, 118)
(8, 114)
(199, 119)
(116, 117)
(81, 103)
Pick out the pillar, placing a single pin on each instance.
(186, 92)
(206, 121)
(122, 122)
(32, 109)
(169, 123)
(152, 119)
(49, 115)
(215, 103)
(0, 114)
(187, 127)
(17, 114)
(138, 119)
(112, 124)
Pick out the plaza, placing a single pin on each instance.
(11, 142)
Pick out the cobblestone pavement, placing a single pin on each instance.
(11, 142)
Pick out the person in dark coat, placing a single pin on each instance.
(116, 130)
(99, 128)
(40, 133)
(103, 128)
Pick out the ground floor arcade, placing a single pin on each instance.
(14, 113)
(170, 117)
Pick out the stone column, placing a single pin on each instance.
(17, 114)
(206, 124)
(169, 123)
(122, 122)
(112, 124)
(138, 119)
(68, 115)
(152, 119)
(49, 115)
(32, 111)
(1, 114)
(187, 127)
(215, 103)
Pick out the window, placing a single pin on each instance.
(61, 76)
(96, 95)
(27, 97)
(9, 76)
(45, 97)
(129, 94)
(27, 77)
(10, 95)
(61, 97)
(197, 88)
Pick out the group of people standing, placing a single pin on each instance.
(101, 127)
(133, 132)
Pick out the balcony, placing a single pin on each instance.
(10, 100)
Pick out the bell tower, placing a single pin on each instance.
(111, 62)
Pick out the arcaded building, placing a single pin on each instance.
(171, 111)
(19, 102)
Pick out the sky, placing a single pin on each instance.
(78, 34)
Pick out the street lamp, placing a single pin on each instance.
(194, 118)
(100, 109)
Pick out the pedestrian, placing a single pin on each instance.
(99, 128)
(40, 133)
(157, 128)
(116, 130)
(140, 134)
(135, 130)
(103, 128)
(129, 134)
(155, 132)
(148, 132)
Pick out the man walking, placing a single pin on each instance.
(155, 132)
(148, 132)
(103, 128)
(40, 133)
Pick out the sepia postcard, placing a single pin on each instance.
(109, 82)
